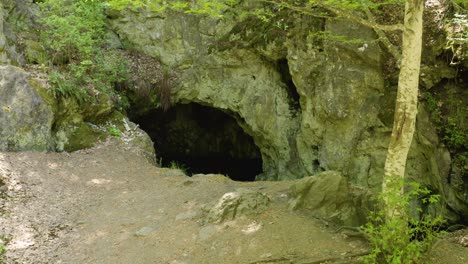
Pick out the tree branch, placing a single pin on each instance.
(362, 21)
(392, 49)
(308, 9)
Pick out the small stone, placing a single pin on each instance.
(144, 231)
(207, 232)
(464, 241)
(252, 228)
(186, 216)
(187, 182)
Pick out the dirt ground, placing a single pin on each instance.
(109, 205)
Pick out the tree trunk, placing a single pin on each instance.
(406, 105)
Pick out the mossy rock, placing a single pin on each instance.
(80, 136)
(34, 52)
(25, 118)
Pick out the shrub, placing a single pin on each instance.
(457, 38)
(449, 127)
(400, 239)
(73, 35)
(113, 131)
(62, 86)
(3, 242)
(178, 166)
(73, 29)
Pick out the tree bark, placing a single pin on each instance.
(406, 104)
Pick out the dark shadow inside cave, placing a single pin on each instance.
(202, 139)
(294, 97)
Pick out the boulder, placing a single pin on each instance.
(25, 118)
(242, 202)
(328, 196)
(16, 20)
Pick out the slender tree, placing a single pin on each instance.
(407, 99)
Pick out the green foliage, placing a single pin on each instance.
(72, 29)
(2, 251)
(454, 136)
(113, 131)
(73, 35)
(399, 239)
(457, 37)
(201, 7)
(450, 130)
(63, 87)
(3, 242)
(178, 166)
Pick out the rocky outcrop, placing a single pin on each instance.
(238, 82)
(329, 196)
(16, 20)
(310, 105)
(242, 202)
(339, 90)
(25, 118)
(32, 119)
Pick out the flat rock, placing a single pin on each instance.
(186, 216)
(234, 204)
(144, 231)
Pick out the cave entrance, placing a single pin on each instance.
(202, 139)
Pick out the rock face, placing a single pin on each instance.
(31, 119)
(15, 20)
(25, 118)
(310, 105)
(328, 196)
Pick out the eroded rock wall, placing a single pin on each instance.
(339, 86)
(236, 81)
(345, 112)
(25, 118)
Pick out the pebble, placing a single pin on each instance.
(186, 216)
(144, 231)
(207, 232)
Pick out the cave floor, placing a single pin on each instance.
(109, 205)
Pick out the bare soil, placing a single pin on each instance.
(109, 205)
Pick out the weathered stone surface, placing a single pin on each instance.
(239, 81)
(25, 118)
(137, 138)
(345, 112)
(186, 216)
(329, 197)
(207, 231)
(235, 204)
(144, 231)
(32, 119)
(16, 18)
(339, 101)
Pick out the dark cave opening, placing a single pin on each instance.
(283, 69)
(202, 139)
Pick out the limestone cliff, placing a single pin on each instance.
(309, 105)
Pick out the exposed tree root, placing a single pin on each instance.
(353, 231)
(342, 259)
